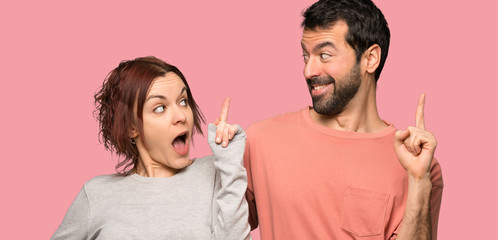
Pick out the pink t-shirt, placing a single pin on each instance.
(306, 181)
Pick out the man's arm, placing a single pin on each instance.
(415, 149)
(416, 222)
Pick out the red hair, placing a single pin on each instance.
(123, 88)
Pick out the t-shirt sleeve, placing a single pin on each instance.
(436, 195)
(251, 200)
(76, 221)
(231, 222)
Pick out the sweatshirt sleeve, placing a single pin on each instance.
(230, 220)
(76, 221)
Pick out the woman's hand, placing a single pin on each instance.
(224, 131)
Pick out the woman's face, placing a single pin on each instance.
(167, 122)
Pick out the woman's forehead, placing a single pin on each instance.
(170, 83)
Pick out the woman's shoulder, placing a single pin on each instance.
(104, 181)
(105, 187)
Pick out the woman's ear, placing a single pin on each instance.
(133, 131)
(372, 56)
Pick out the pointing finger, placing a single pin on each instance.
(224, 110)
(419, 116)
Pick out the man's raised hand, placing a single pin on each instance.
(415, 146)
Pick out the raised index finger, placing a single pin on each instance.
(224, 110)
(419, 116)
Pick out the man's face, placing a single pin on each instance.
(331, 71)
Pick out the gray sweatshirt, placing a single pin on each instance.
(204, 201)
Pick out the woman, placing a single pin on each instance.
(147, 115)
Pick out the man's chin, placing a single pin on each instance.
(323, 109)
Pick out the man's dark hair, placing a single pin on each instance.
(366, 24)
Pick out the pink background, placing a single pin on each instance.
(55, 54)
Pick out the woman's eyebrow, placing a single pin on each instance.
(163, 97)
(155, 96)
(183, 90)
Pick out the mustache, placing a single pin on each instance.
(320, 80)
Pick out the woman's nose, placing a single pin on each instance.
(179, 116)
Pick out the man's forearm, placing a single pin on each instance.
(416, 222)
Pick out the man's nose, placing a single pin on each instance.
(312, 68)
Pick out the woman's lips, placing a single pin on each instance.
(180, 144)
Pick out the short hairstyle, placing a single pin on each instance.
(366, 24)
(125, 87)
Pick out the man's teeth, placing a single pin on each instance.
(319, 87)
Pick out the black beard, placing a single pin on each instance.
(342, 94)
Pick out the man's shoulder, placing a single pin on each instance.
(279, 121)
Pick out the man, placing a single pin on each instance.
(337, 170)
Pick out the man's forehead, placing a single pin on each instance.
(336, 32)
(327, 26)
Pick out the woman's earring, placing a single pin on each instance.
(132, 140)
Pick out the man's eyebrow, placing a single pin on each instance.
(163, 97)
(322, 45)
(319, 46)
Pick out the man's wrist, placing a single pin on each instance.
(420, 184)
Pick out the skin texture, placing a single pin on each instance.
(327, 55)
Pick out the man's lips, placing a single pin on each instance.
(318, 89)
(319, 85)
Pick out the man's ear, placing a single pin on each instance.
(372, 57)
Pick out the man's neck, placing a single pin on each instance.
(360, 115)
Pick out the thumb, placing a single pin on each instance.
(400, 136)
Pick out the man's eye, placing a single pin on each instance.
(183, 102)
(159, 109)
(305, 57)
(325, 55)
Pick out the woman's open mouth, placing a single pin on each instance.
(180, 143)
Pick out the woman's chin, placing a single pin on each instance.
(182, 162)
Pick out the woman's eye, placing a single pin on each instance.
(183, 102)
(159, 109)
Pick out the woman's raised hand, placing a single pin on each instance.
(224, 130)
